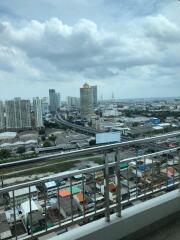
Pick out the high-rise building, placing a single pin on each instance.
(18, 114)
(10, 114)
(38, 115)
(2, 119)
(86, 100)
(94, 90)
(54, 100)
(58, 100)
(25, 109)
(73, 102)
(45, 106)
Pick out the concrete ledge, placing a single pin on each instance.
(133, 219)
(157, 230)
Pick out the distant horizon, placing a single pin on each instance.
(99, 99)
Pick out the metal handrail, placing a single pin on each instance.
(68, 174)
(97, 149)
(115, 205)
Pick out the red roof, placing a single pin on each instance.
(64, 193)
(80, 197)
(112, 187)
(171, 171)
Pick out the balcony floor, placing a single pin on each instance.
(169, 232)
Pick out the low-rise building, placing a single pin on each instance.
(51, 188)
(5, 231)
(67, 204)
(21, 195)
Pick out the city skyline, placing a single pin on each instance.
(128, 47)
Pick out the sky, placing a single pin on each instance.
(129, 48)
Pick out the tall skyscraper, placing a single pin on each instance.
(10, 114)
(86, 100)
(18, 114)
(94, 90)
(2, 119)
(58, 100)
(54, 100)
(45, 106)
(37, 106)
(25, 109)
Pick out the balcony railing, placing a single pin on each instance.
(63, 200)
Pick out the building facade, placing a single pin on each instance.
(2, 119)
(95, 98)
(73, 102)
(38, 114)
(86, 101)
(45, 106)
(58, 100)
(54, 100)
(18, 114)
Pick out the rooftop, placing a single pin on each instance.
(6, 135)
(64, 193)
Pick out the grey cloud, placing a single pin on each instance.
(82, 47)
(161, 28)
(47, 50)
(136, 8)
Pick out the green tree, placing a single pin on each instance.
(46, 144)
(42, 131)
(43, 138)
(52, 138)
(5, 153)
(32, 148)
(21, 150)
(92, 142)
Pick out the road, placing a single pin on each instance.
(59, 120)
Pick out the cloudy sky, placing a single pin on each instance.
(128, 47)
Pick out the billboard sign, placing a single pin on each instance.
(108, 137)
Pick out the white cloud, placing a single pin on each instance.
(52, 51)
(162, 28)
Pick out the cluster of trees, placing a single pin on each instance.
(5, 153)
(48, 142)
(21, 150)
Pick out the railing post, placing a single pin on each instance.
(71, 199)
(14, 213)
(45, 203)
(59, 205)
(30, 211)
(106, 187)
(152, 175)
(137, 193)
(83, 191)
(167, 178)
(179, 166)
(118, 182)
(94, 183)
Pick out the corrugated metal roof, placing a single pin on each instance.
(50, 184)
(23, 191)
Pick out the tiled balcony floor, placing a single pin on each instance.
(169, 232)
